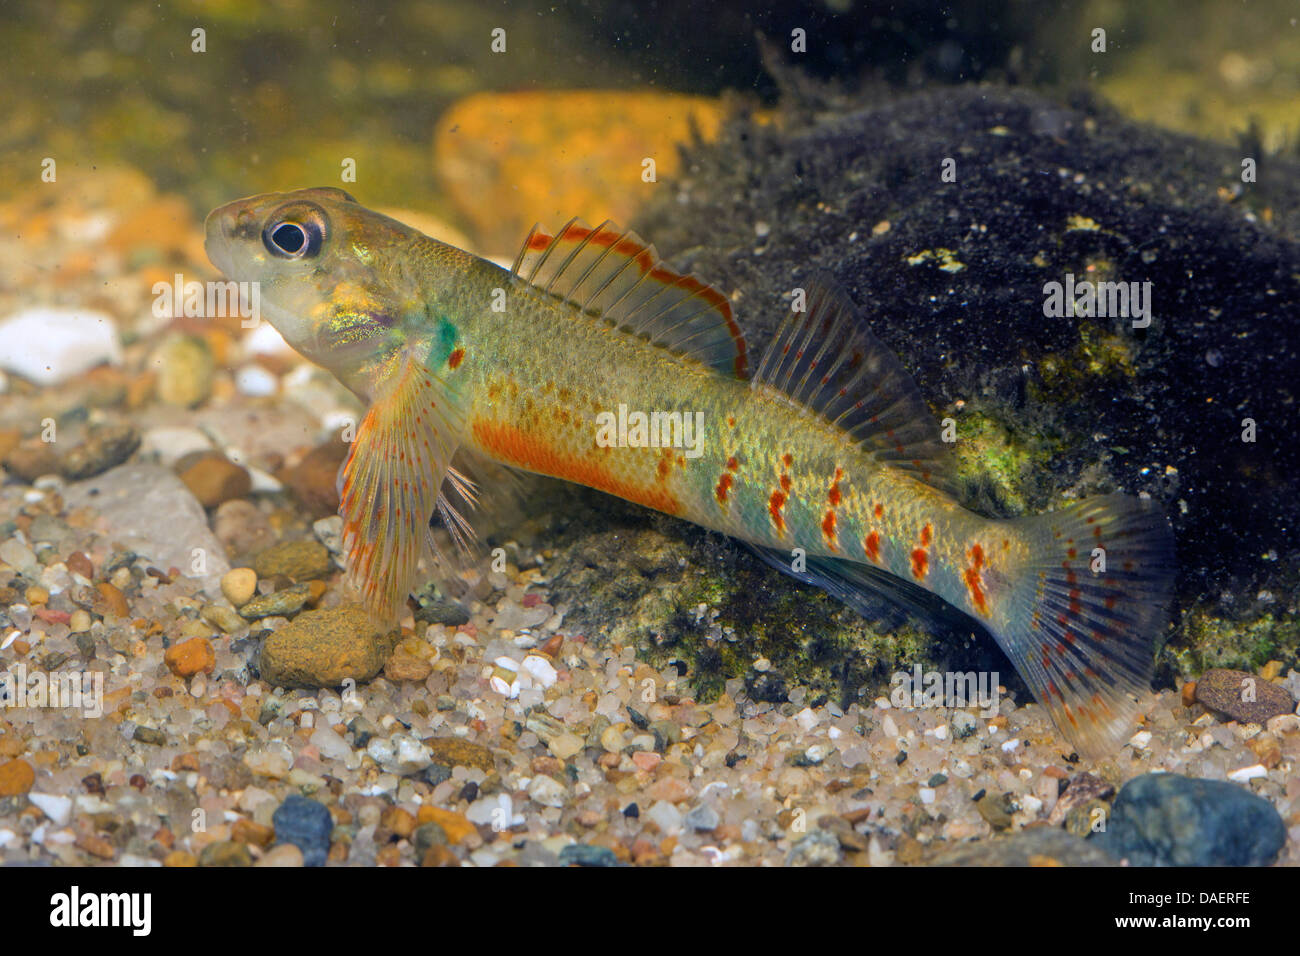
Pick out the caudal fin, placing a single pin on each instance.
(1085, 617)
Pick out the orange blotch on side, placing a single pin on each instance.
(522, 449)
(828, 529)
(880, 511)
(724, 486)
(872, 547)
(774, 506)
(455, 358)
(920, 563)
(732, 464)
(974, 584)
(787, 459)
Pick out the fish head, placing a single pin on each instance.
(329, 276)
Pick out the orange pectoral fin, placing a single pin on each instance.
(389, 488)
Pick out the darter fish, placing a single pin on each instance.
(593, 361)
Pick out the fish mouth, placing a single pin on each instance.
(216, 241)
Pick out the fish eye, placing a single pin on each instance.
(295, 234)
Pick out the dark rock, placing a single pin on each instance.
(105, 448)
(582, 854)
(307, 825)
(1165, 819)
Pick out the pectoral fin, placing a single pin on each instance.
(390, 486)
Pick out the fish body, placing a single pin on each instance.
(592, 361)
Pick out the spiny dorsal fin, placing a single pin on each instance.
(619, 277)
(828, 361)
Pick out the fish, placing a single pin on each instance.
(593, 361)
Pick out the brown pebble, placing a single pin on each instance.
(190, 657)
(1188, 693)
(244, 830)
(78, 563)
(406, 667)
(1242, 696)
(213, 478)
(400, 822)
(16, 778)
(114, 600)
(324, 648)
(439, 855)
(96, 845)
(453, 751)
(33, 460)
(312, 480)
(180, 858)
(295, 560)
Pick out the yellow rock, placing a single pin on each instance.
(509, 160)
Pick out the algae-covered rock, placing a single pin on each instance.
(954, 276)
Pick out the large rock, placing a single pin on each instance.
(1165, 819)
(148, 510)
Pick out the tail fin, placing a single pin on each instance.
(1084, 618)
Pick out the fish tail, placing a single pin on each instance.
(1086, 611)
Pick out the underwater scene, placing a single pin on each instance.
(836, 434)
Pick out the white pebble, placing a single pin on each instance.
(255, 381)
(1245, 774)
(48, 346)
(1140, 739)
(927, 795)
(57, 808)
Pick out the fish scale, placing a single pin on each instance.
(825, 453)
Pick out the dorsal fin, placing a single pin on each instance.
(619, 277)
(827, 360)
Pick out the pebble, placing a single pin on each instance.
(1224, 690)
(546, 791)
(283, 603)
(323, 648)
(312, 480)
(106, 447)
(30, 461)
(666, 816)
(56, 807)
(242, 528)
(702, 817)
(453, 752)
(1166, 819)
(222, 617)
(401, 754)
(404, 666)
(297, 560)
(307, 825)
(455, 826)
(225, 853)
(114, 600)
(191, 657)
(585, 854)
(48, 346)
(213, 478)
(1038, 846)
(184, 367)
(284, 855)
(817, 848)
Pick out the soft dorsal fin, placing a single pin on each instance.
(828, 361)
(619, 277)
